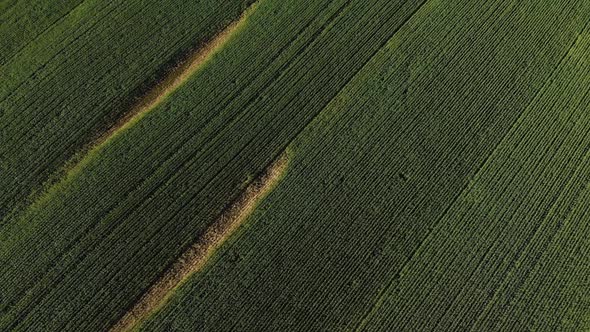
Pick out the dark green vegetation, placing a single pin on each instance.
(439, 172)
(66, 83)
(22, 22)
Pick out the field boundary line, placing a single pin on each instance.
(152, 193)
(148, 101)
(174, 78)
(197, 255)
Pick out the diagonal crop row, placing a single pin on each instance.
(22, 22)
(526, 136)
(389, 162)
(114, 262)
(82, 74)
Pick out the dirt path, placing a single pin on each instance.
(196, 257)
(156, 95)
(176, 77)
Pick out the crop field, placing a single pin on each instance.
(322, 165)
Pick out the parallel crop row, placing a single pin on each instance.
(22, 22)
(341, 240)
(495, 234)
(89, 254)
(439, 181)
(82, 73)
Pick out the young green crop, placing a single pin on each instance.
(438, 172)
(370, 228)
(60, 91)
(23, 21)
(156, 186)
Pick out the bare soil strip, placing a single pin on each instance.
(176, 77)
(197, 255)
(156, 94)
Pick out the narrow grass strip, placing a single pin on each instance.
(197, 255)
(171, 81)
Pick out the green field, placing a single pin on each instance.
(434, 165)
